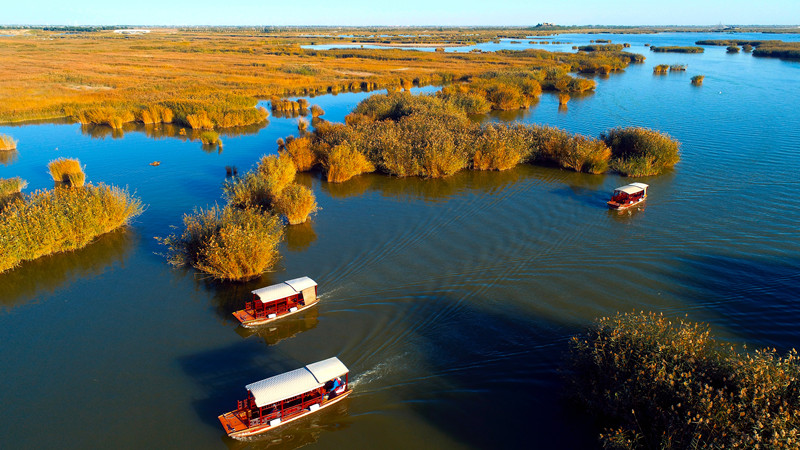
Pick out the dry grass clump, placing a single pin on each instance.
(499, 147)
(105, 115)
(227, 243)
(7, 143)
(343, 161)
(277, 171)
(697, 80)
(656, 383)
(199, 121)
(300, 151)
(317, 111)
(11, 190)
(296, 203)
(661, 69)
(638, 152)
(302, 125)
(584, 154)
(59, 220)
(67, 171)
(677, 68)
(156, 114)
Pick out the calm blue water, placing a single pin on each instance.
(450, 300)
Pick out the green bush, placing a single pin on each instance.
(661, 384)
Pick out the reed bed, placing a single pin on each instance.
(661, 69)
(7, 143)
(668, 384)
(300, 151)
(676, 49)
(228, 243)
(67, 171)
(677, 68)
(317, 111)
(210, 138)
(733, 49)
(60, 220)
(697, 80)
(296, 203)
(11, 186)
(638, 152)
(432, 137)
(98, 78)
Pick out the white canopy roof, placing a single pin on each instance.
(289, 384)
(283, 290)
(632, 188)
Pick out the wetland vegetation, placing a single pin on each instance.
(676, 49)
(209, 79)
(59, 220)
(432, 137)
(669, 384)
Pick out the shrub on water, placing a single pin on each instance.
(64, 169)
(302, 103)
(277, 172)
(301, 153)
(210, 138)
(59, 220)
(661, 69)
(317, 111)
(657, 383)
(156, 114)
(7, 143)
(296, 203)
(697, 80)
(343, 162)
(747, 48)
(302, 125)
(733, 49)
(640, 151)
(227, 243)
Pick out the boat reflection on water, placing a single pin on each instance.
(304, 431)
(289, 327)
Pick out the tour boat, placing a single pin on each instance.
(628, 195)
(277, 301)
(287, 397)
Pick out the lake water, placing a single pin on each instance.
(451, 301)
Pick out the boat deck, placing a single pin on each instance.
(243, 316)
(233, 422)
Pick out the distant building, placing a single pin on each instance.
(131, 31)
(546, 24)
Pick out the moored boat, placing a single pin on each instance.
(284, 398)
(277, 301)
(628, 195)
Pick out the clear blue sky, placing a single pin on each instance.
(400, 12)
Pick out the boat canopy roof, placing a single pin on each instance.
(283, 290)
(633, 188)
(290, 384)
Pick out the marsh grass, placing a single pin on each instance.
(59, 220)
(278, 172)
(296, 203)
(210, 138)
(638, 152)
(302, 154)
(317, 111)
(677, 68)
(227, 243)
(11, 190)
(668, 384)
(661, 69)
(733, 49)
(676, 49)
(697, 80)
(7, 143)
(343, 161)
(66, 170)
